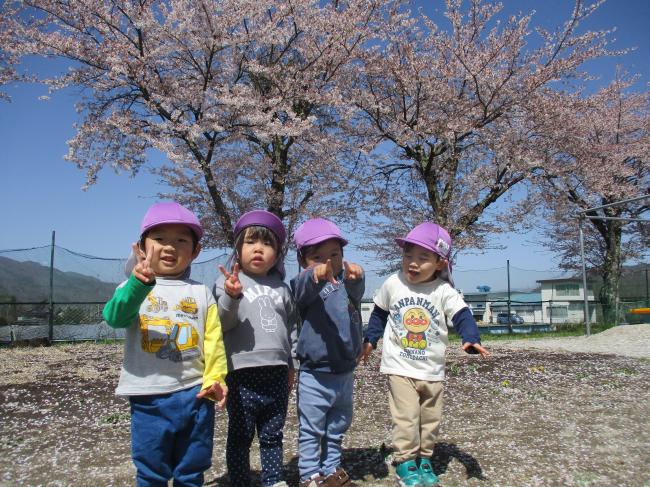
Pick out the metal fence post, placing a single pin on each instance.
(50, 331)
(509, 312)
(647, 294)
(584, 277)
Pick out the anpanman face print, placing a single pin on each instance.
(416, 320)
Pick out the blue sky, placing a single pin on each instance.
(42, 192)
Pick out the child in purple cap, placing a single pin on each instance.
(174, 357)
(258, 317)
(416, 303)
(328, 295)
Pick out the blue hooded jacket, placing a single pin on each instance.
(331, 332)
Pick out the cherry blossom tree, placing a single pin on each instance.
(454, 111)
(240, 95)
(8, 62)
(7, 74)
(292, 105)
(598, 153)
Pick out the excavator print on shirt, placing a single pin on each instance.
(175, 341)
(156, 304)
(187, 305)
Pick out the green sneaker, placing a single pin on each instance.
(427, 477)
(408, 474)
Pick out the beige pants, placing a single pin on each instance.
(416, 408)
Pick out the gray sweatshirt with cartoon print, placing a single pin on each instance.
(259, 328)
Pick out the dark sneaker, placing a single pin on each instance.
(408, 474)
(340, 478)
(427, 477)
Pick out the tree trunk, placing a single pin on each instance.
(219, 206)
(432, 178)
(279, 155)
(611, 272)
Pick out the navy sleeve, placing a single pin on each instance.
(466, 327)
(376, 325)
(355, 288)
(304, 289)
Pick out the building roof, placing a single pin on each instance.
(565, 279)
(515, 296)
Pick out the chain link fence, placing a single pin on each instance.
(30, 322)
(67, 299)
(64, 301)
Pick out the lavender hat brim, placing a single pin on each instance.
(402, 241)
(323, 238)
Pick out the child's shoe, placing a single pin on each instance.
(427, 477)
(340, 478)
(318, 481)
(408, 474)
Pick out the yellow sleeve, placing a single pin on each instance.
(213, 350)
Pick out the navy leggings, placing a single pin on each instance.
(257, 402)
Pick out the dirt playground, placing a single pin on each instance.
(537, 413)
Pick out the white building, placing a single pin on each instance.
(563, 301)
(367, 305)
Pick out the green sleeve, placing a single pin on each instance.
(123, 308)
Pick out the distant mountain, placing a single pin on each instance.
(29, 282)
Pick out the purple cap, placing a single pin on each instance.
(261, 218)
(431, 236)
(170, 212)
(315, 231)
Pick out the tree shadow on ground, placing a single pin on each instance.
(368, 464)
(444, 453)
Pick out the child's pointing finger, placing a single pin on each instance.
(329, 274)
(352, 271)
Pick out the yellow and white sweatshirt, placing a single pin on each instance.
(173, 336)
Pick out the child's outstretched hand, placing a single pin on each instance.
(217, 392)
(324, 272)
(232, 285)
(352, 271)
(477, 348)
(366, 351)
(142, 269)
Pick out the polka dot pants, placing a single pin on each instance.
(257, 401)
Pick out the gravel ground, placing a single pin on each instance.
(549, 412)
(626, 341)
